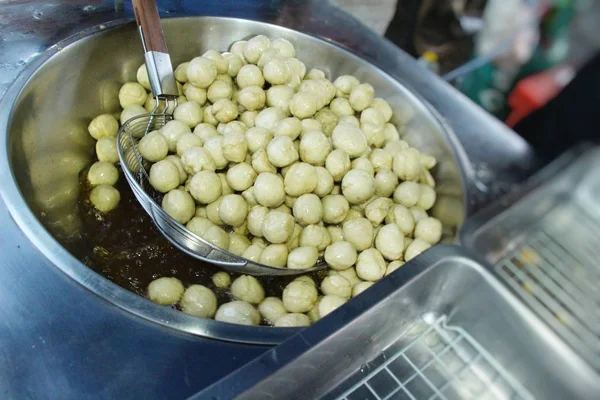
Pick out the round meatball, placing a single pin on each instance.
(255, 220)
(276, 71)
(274, 255)
(106, 150)
(290, 127)
(281, 151)
(363, 164)
(336, 234)
(179, 205)
(407, 164)
(303, 257)
(190, 113)
(428, 196)
(250, 75)
(341, 107)
(402, 217)
(300, 179)
(254, 48)
(132, 93)
(299, 297)
(102, 126)
(238, 312)
(279, 96)
(336, 285)
(252, 98)
(172, 131)
(303, 105)
(217, 236)
(324, 182)
(358, 186)
(214, 146)
(429, 230)
(377, 210)
(200, 301)
(193, 93)
(335, 208)
(103, 173)
(196, 159)
(233, 210)
(359, 232)
(338, 164)
(238, 243)
(344, 85)
(361, 96)
(165, 291)
(349, 138)
(385, 183)
(248, 289)
(315, 236)
(205, 187)
(164, 176)
(390, 242)
(308, 209)
(271, 309)
(224, 110)
(261, 163)
(407, 193)
(269, 190)
(131, 112)
(240, 177)
(284, 48)
(277, 227)
(221, 279)
(201, 72)
(198, 225)
(258, 139)
(314, 147)
(370, 265)
(187, 141)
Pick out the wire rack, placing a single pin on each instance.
(434, 361)
(557, 273)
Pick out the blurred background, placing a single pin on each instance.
(533, 64)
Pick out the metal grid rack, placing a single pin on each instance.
(557, 273)
(434, 361)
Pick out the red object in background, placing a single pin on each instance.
(535, 91)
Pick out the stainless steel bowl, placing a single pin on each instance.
(45, 144)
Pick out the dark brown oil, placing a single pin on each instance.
(125, 247)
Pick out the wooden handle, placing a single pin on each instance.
(146, 16)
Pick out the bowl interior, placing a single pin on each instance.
(48, 144)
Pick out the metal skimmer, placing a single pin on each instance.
(164, 88)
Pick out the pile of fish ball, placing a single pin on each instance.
(281, 166)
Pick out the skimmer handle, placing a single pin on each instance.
(156, 54)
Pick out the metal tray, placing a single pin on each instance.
(546, 249)
(440, 327)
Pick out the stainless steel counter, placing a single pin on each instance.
(56, 342)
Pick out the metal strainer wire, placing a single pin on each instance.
(136, 168)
